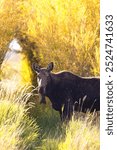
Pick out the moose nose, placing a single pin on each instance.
(42, 90)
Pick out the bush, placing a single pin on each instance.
(65, 31)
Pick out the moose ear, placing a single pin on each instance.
(50, 66)
(35, 67)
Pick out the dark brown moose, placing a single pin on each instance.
(67, 91)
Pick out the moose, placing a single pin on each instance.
(67, 91)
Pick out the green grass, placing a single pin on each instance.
(51, 128)
(79, 134)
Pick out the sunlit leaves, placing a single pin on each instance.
(66, 31)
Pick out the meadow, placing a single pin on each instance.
(66, 32)
(26, 126)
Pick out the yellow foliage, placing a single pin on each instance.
(66, 31)
(25, 71)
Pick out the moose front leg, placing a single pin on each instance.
(43, 100)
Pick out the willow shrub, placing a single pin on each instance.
(65, 31)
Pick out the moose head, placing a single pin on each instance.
(43, 79)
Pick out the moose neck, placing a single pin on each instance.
(55, 80)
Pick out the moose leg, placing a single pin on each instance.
(67, 111)
(60, 112)
(42, 101)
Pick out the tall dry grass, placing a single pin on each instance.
(18, 131)
(82, 134)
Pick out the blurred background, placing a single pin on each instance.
(63, 31)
